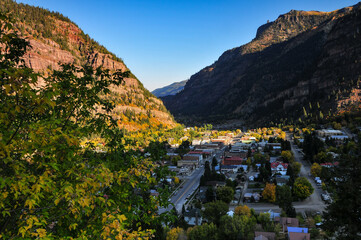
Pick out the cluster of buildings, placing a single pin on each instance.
(290, 227)
(337, 135)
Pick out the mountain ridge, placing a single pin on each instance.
(279, 68)
(170, 89)
(56, 40)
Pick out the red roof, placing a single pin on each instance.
(329, 164)
(195, 152)
(276, 164)
(233, 160)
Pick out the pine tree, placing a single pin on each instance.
(343, 215)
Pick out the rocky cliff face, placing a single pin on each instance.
(302, 58)
(56, 40)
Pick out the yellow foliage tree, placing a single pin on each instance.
(243, 210)
(176, 180)
(269, 192)
(175, 234)
(288, 156)
(52, 187)
(316, 169)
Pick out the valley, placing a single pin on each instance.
(262, 144)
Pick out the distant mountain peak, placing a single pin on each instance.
(170, 90)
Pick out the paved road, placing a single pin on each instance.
(314, 201)
(190, 185)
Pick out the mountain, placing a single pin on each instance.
(300, 65)
(171, 89)
(55, 39)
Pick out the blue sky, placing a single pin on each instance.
(165, 41)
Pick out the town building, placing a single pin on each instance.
(193, 217)
(279, 167)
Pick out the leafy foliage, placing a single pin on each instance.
(225, 194)
(205, 231)
(316, 170)
(302, 188)
(269, 192)
(215, 210)
(242, 210)
(51, 186)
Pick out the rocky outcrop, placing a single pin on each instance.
(56, 40)
(300, 59)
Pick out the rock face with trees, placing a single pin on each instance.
(56, 40)
(301, 64)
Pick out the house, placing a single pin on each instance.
(299, 236)
(282, 180)
(190, 160)
(279, 167)
(261, 237)
(231, 168)
(339, 139)
(329, 133)
(189, 163)
(292, 230)
(273, 215)
(200, 152)
(202, 194)
(275, 147)
(154, 193)
(297, 233)
(286, 222)
(249, 197)
(193, 217)
(329, 164)
(190, 156)
(233, 160)
(185, 171)
(265, 235)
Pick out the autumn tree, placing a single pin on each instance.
(242, 210)
(302, 188)
(287, 156)
(176, 234)
(316, 170)
(269, 192)
(51, 186)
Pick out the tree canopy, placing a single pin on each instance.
(302, 188)
(51, 185)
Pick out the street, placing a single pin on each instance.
(190, 185)
(314, 201)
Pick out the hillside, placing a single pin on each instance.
(56, 39)
(302, 64)
(171, 89)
